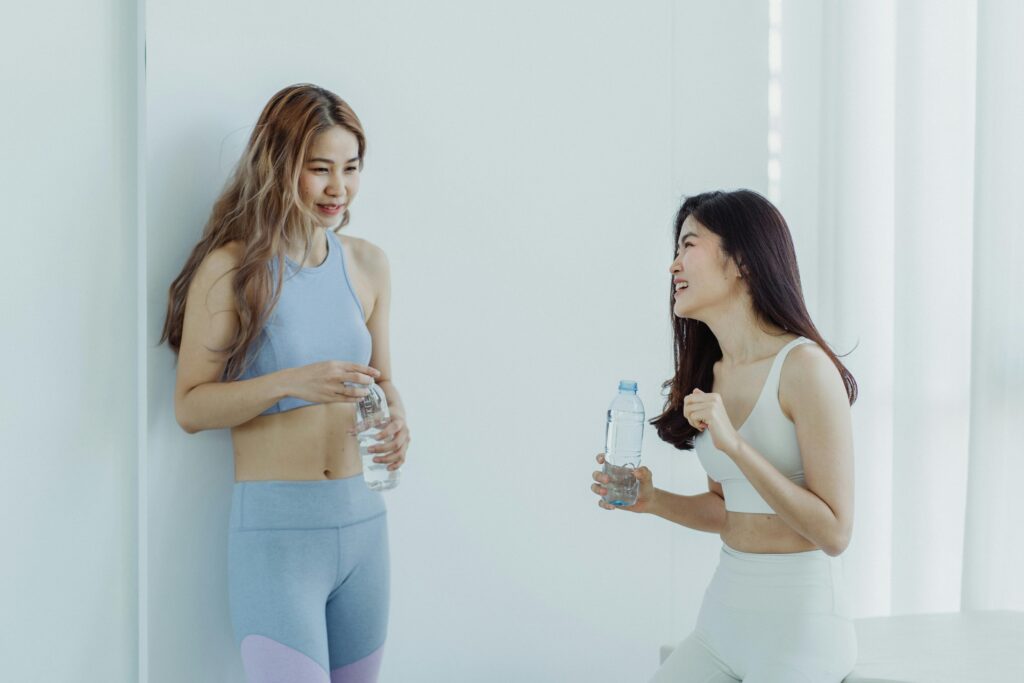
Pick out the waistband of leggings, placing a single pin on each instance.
(303, 504)
(775, 558)
(811, 562)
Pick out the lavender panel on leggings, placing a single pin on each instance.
(363, 670)
(268, 661)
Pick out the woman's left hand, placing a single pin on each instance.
(706, 411)
(392, 443)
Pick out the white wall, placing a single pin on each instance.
(524, 164)
(67, 342)
(720, 141)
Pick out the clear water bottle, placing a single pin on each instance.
(371, 415)
(623, 437)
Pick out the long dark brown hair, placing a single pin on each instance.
(261, 208)
(755, 235)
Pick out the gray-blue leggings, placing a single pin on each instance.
(308, 580)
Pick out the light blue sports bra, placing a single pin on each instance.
(318, 317)
(770, 432)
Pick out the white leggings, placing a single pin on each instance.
(769, 619)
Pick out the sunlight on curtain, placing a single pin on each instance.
(856, 264)
(774, 100)
(908, 228)
(993, 551)
(934, 192)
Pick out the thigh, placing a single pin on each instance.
(780, 672)
(278, 582)
(803, 648)
(357, 611)
(693, 662)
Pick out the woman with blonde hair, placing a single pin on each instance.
(765, 403)
(280, 324)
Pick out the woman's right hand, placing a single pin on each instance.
(330, 381)
(645, 492)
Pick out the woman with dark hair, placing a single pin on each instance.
(764, 402)
(280, 324)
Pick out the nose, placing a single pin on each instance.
(676, 266)
(335, 186)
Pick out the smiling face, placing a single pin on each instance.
(329, 179)
(702, 275)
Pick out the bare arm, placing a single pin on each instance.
(395, 437)
(395, 405)
(222, 405)
(814, 395)
(703, 512)
(201, 401)
(380, 329)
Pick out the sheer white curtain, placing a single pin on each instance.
(993, 548)
(901, 177)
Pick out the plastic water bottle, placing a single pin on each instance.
(371, 415)
(623, 437)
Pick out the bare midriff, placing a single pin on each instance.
(305, 444)
(760, 533)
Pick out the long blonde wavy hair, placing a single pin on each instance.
(260, 207)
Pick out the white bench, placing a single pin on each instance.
(963, 647)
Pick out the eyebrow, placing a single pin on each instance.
(687, 236)
(331, 161)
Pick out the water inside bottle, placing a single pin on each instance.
(623, 487)
(371, 415)
(376, 474)
(624, 435)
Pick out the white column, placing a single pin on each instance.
(68, 402)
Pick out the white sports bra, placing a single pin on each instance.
(769, 431)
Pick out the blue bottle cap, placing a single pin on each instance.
(627, 385)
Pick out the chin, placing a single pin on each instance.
(682, 313)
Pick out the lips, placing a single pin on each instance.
(330, 209)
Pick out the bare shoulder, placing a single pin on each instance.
(807, 360)
(364, 250)
(809, 377)
(368, 256)
(214, 278)
(220, 261)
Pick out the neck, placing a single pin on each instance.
(296, 248)
(742, 337)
